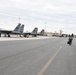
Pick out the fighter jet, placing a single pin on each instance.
(33, 33)
(17, 31)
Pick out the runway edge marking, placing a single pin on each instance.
(49, 62)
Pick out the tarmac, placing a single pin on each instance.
(37, 56)
(22, 38)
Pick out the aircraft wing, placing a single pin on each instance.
(5, 31)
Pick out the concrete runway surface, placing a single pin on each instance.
(50, 56)
(22, 38)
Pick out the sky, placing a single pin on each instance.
(51, 15)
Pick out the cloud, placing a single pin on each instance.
(58, 14)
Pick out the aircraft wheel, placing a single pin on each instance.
(0, 34)
(8, 35)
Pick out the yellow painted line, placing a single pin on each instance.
(49, 62)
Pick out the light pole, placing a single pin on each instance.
(45, 26)
(19, 19)
(61, 32)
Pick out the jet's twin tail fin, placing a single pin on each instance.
(21, 29)
(35, 30)
(17, 27)
(42, 32)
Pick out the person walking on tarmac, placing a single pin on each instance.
(70, 39)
